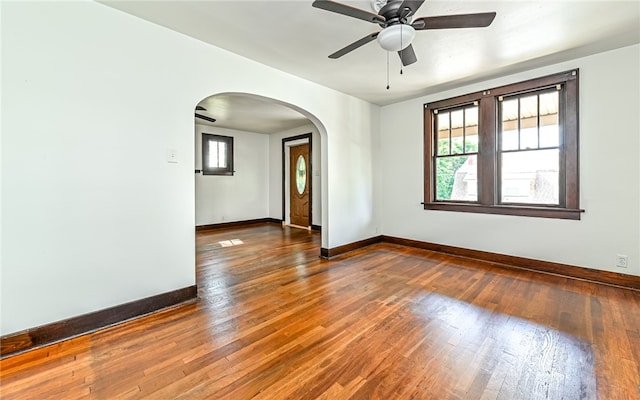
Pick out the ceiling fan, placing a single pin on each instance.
(399, 26)
(204, 117)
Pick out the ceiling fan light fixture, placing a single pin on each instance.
(396, 37)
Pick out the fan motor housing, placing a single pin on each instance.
(392, 15)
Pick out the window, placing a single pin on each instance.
(217, 154)
(456, 154)
(530, 148)
(508, 150)
(301, 174)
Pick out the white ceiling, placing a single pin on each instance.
(295, 37)
(249, 113)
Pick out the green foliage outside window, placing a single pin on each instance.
(446, 167)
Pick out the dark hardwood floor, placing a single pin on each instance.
(274, 321)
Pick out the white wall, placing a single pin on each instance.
(243, 196)
(275, 172)
(255, 191)
(609, 175)
(92, 214)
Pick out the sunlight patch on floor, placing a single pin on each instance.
(229, 243)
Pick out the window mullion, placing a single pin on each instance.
(464, 131)
(538, 120)
(569, 143)
(450, 134)
(519, 119)
(487, 151)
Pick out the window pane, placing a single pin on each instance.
(471, 129)
(457, 119)
(530, 177)
(529, 112)
(471, 142)
(509, 128)
(529, 138)
(222, 155)
(457, 141)
(457, 129)
(443, 133)
(443, 146)
(529, 122)
(456, 178)
(550, 136)
(213, 154)
(549, 120)
(301, 174)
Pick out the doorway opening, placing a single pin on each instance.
(297, 177)
(257, 192)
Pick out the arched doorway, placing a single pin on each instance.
(258, 127)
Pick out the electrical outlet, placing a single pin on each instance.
(622, 260)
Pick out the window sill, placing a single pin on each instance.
(522, 211)
(218, 173)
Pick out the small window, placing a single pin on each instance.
(217, 154)
(301, 174)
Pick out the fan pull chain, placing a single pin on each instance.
(400, 52)
(387, 70)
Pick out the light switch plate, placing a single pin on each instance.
(172, 156)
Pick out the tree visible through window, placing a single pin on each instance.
(217, 154)
(508, 150)
(456, 154)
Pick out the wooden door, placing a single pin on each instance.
(299, 180)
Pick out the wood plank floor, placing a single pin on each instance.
(276, 322)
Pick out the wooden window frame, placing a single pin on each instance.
(436, 156)
(228, 170)
(488, 150)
